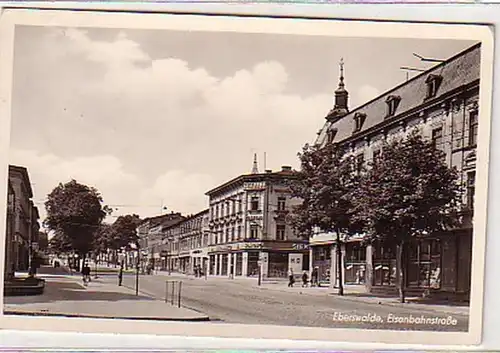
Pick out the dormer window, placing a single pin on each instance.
(330, 135)
(359, 120)
(392, 104)
(433, 82)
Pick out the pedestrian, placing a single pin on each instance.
(305, 279)
(314, 277)
(120, 275)
(86, 274)
(291, 279)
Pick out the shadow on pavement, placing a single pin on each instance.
(57, 291)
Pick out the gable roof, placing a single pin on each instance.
(456, 72)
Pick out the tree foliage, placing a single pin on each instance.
(409, 192)
(75, 211)
(124, 232)
(60, 244)
(325, 184)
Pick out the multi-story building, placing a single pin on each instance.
(191, 241)
(249, 227)
(443, 103)
(9, 266)
(25, 218)
(152, 238)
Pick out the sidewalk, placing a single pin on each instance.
(102, 298)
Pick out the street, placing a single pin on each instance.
(243, 302)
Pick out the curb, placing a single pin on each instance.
(89, 316)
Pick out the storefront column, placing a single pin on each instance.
(216, 265)
(311, 267)
(333, 266)
(229, 263)
(343, 251)
(244, 264)
(369, 268)
(219, 272)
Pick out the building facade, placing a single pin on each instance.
(151, 233)
(249, 227)
(23, 226)
(190, 240)
(9, 266)
(442, 103)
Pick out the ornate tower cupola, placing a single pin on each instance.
(341, 98)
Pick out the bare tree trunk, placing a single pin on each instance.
(84, 258)
(339, 264)
(401, 270)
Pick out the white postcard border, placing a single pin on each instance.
(355, 28)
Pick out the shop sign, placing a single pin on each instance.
(300, 246)
(254, 186)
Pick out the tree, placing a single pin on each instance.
(60, 244)
(324, 185)
(409, 192)
(124, 232)
(43, 241)
(76, 211)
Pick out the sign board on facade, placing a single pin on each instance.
(295, 262)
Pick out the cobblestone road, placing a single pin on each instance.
(241, 301)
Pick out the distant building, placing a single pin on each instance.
(23, 228)
(151, 237)
(443, 103)
(189, 241)
(249, 227)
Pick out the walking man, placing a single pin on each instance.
(291, 279)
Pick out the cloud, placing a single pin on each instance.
(145, 129)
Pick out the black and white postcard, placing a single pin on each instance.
(244, 177)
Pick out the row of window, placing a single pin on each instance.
(228, 208)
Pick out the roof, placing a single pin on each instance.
(281, 175)
(24, 174)
(166, 218)
(457, 72)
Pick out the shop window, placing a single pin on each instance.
(280, 232)
(384, 264)
(424, 265)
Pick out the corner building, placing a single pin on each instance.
(443, 103)
(249, 228)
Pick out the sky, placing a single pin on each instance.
(156, 118)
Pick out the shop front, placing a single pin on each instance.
(440, 264)
(246, 258)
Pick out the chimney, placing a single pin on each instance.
(286, 168)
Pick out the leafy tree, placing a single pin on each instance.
(75, 210)
(60, 244)
(409, 192)
(43, 241)
(102, 239)
(124, 232)
(324, 185)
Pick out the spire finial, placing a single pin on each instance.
(341, 64)
(255, 169)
